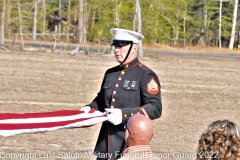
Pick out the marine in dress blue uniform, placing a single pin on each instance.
(127, 89)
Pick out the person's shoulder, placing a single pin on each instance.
(115, 68)
(143, 67)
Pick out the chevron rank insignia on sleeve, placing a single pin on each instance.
(152, 87)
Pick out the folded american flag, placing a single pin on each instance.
(19, 123)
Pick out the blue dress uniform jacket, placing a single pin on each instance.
(133, 88)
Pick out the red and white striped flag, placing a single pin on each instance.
(16, 123)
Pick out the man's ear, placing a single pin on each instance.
(126, 135)
(152, 136)
(134, 48)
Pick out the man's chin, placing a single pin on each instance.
(119, 60)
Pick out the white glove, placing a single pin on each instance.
(86, 109)
(114, 115)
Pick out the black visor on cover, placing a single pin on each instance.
(120, 42)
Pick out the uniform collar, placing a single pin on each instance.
(130, 64)
(139, 148)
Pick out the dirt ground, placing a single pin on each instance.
(195, 92)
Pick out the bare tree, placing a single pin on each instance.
(220, 25)
(8, 31)
(118, 7)
(68, 19)
(184, 22)
(34, 31)
(202, 40)
(233, 24)
(139, 26)
(80, 22)
(60, 16)
(20, 22)
(86, 17)
(44, 16)
(2, 22)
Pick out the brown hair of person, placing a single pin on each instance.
(226, 125)
(218, 144)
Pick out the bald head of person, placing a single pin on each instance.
(139, 130)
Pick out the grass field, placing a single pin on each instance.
(195, 92)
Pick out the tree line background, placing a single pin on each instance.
(170, 22)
